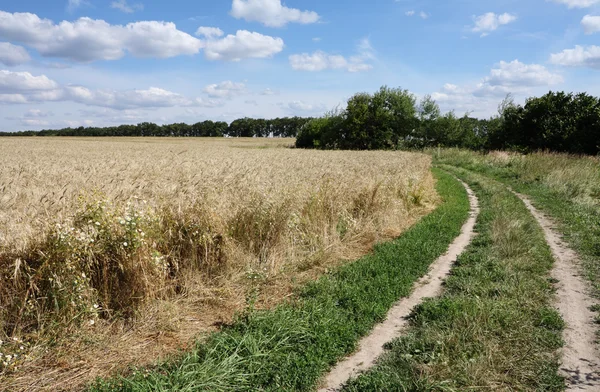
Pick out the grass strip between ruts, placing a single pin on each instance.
(579, 223)
(290, 347)
(494, 327)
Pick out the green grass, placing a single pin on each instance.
(494, 327)
(290, 347)
(566, 187)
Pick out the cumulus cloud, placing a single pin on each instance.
(226, 89)
(209, 32)
(23, 87)
(271, 13)
(244, 44)
(489, 22)
(269, 91)
(580, 56)
(11, 82)
(302, 107)
(123, 6)
(129, 99)
(591, 24)
(518, 74)
(320, 61)
(37, 113)
(88, 39)
(578, 3)
(507, 77)
(12, 55)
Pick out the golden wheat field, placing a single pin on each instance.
(119, 251)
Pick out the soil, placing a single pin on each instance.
(430, 285)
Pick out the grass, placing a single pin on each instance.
(494, 327)
(566, 187)
(124, 249)
(290, 347)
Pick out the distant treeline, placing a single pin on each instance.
(393, 119)
(244, 127)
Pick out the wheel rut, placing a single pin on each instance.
(430, 285)
(580, 357)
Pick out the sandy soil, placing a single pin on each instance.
(430, 285)
(580, 357)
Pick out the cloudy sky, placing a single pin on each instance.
(104, 62)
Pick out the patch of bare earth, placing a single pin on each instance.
(580, 357)
(372, 346)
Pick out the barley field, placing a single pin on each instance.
(119, 248)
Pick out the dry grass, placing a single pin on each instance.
(119, 251)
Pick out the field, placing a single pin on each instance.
(132, 264)
(123, 250)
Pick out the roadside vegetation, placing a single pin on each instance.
(122, 251)
(494, 328)
(566, 187)
(290, 347)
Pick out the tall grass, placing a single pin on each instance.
(566, 187)
(91, 231)
(494, 328)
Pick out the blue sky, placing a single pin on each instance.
(106, 62)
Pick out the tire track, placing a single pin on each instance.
(580, 357)
(430, 285)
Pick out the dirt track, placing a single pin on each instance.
(580, 359)
(430, 285)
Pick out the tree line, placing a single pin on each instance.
(244, 127)
(394, 119)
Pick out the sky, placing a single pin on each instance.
(71, 63)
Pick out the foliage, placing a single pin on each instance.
(391, 119)
(245, 127)
(290, 347)
(494, 325)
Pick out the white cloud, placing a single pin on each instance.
(320, 61)
(270, 13)
(244, 44)
(591, 24)
(23, 87)
(153, 97)
(18, 82)
(226, 89)
(159, 39)
(12, 54)
(578, 3)
(302, 107)
(36, 113)
(88, 39)
(580, 56)
(72, 5)
(209, 32)
(507, 77)
(489, 22)
(122, 5)
(316, 39)
(34, 122)
(269, 91)
(422, 14)
(517, 74)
